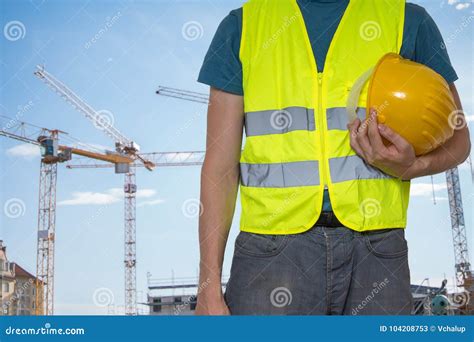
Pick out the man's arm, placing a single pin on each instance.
(399, 159)
(219, 186)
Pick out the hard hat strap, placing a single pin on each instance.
(354, 94)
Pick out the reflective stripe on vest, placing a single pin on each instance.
(294, 118)
(353, 167)
(281, 175)
(337, 117)
(279, 121)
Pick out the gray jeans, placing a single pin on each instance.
(324, 271)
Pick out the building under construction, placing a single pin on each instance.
(176, 296)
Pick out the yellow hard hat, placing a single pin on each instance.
(411, 99)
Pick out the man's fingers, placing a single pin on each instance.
(353, 127)
(356, 147)
(374, 134)
(353, 124)
(353, 130)
(395, 138)
(363, 139)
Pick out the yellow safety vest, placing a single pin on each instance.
(297, 142)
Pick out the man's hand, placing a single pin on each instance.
(396, 159)
(210, 303)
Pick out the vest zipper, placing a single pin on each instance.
(321, 131)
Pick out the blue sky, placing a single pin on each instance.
(114, 54)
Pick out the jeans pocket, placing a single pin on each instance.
(260, 245)
(387, 243)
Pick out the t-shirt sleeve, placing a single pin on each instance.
(222, 68)
(430, 48)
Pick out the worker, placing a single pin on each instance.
(324, 200)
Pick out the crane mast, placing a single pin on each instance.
(464, 276)
(46, 227)
(46, 237)
(130, 246)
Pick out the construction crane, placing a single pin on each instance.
(124, 146)
(464, 275)
(51, 154)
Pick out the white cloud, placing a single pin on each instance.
(90, 198)
(27, 151)
(425, 189)
(462, 6)
(145, 193)
(110, 196)
(150, 202)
